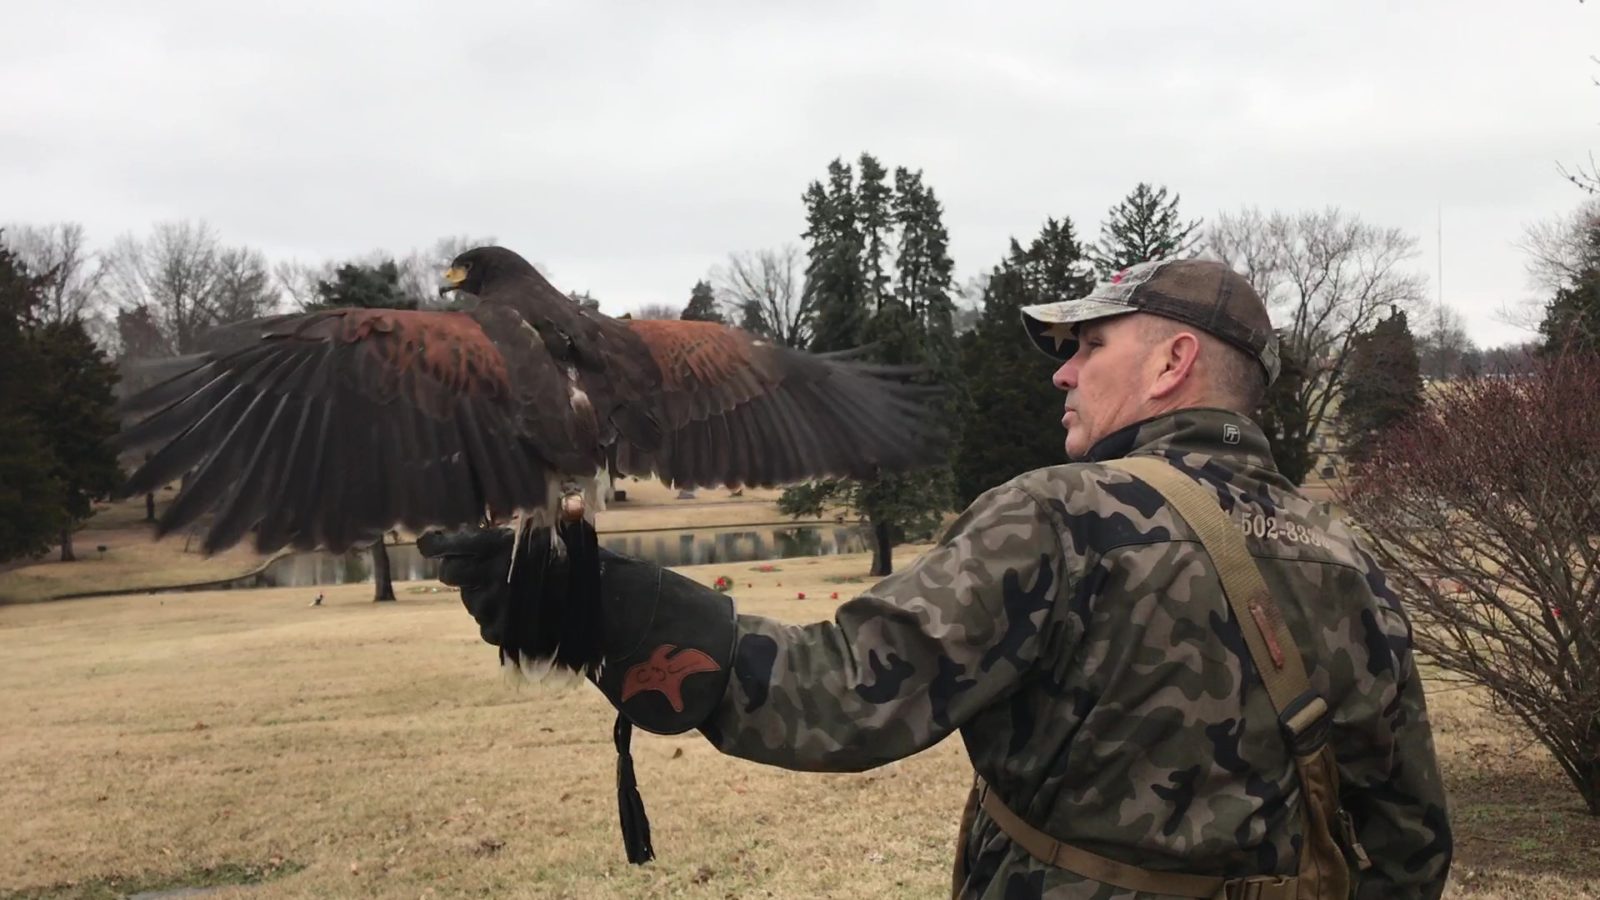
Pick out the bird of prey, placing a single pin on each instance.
(327, 429)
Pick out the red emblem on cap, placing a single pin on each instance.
(665, 671)
(1117, 278)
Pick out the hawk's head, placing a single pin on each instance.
(471, 270)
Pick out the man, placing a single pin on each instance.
(1071, 626)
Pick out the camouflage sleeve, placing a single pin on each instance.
(1393, 790)
(906, 663)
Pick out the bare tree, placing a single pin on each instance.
(1444, 350)
(60, 253)
(298, 281)
(244, 286)
(763, 293)
(1328, 277)
(1561, 247)
(1484, 512)
(188, 281)
(420, 270)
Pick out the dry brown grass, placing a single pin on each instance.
(374, 745)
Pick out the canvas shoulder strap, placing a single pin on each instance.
(1329, 846)
(1272, 647)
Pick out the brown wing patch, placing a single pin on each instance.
(449, 347)
(690, 352)
(327, 429)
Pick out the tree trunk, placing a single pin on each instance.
(150, 507)
(382, 584)
(66, 545)
(882, 550)
(1589, 784)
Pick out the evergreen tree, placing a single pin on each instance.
(31, 514)
(702, 305)
(1011, 420)
(872, 212)
(72, 404)
(1284, 420)
(1572, 318)
(371, 287)
(907, 317)
(835, 284)
(1142, 226)
(751, 320)
(926, 272)
(140, 336)
(1383, 387)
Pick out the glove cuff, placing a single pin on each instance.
(669, 645)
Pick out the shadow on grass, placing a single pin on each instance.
(193, 883)
(1514, 815)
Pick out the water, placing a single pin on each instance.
(665, 548)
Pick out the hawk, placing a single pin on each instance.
(327, 429)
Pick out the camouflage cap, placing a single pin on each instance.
(1200, 292)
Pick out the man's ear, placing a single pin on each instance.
(1176, 358)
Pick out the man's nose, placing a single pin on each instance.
(1066, 377)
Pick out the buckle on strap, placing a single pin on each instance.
(1305, 722)
(1261, 887)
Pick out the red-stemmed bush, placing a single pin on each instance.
(1484, 510)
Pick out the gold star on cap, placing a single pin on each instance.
(1061, 333)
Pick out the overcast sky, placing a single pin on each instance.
(628, 147)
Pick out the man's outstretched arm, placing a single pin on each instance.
(909, 661)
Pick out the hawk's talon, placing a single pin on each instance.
(572, 507)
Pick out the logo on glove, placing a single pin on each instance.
(665, 671)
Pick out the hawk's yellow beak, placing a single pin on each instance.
(455, 275)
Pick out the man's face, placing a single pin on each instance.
(1105, 381)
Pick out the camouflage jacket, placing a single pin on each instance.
(1071, 628)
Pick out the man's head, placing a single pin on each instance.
(1158, 337)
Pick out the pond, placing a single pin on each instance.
(690, 547)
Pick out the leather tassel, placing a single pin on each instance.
(580, 625)
(630, 806)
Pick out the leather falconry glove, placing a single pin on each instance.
(658, 645)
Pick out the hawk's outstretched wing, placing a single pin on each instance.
(738, 410)
(325, 429)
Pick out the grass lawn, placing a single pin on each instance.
(371, 750)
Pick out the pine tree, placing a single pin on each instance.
(835, 283)
(370, 287)
(1283, 418)
(926, 272)
(906, 316)
(73, 408)
(1142, 226)
(31, 514)
(1011, 421)
(1572, 318)
(872, 212)
(1383, 386)
(702, 306)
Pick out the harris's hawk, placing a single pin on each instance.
(326, 429)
